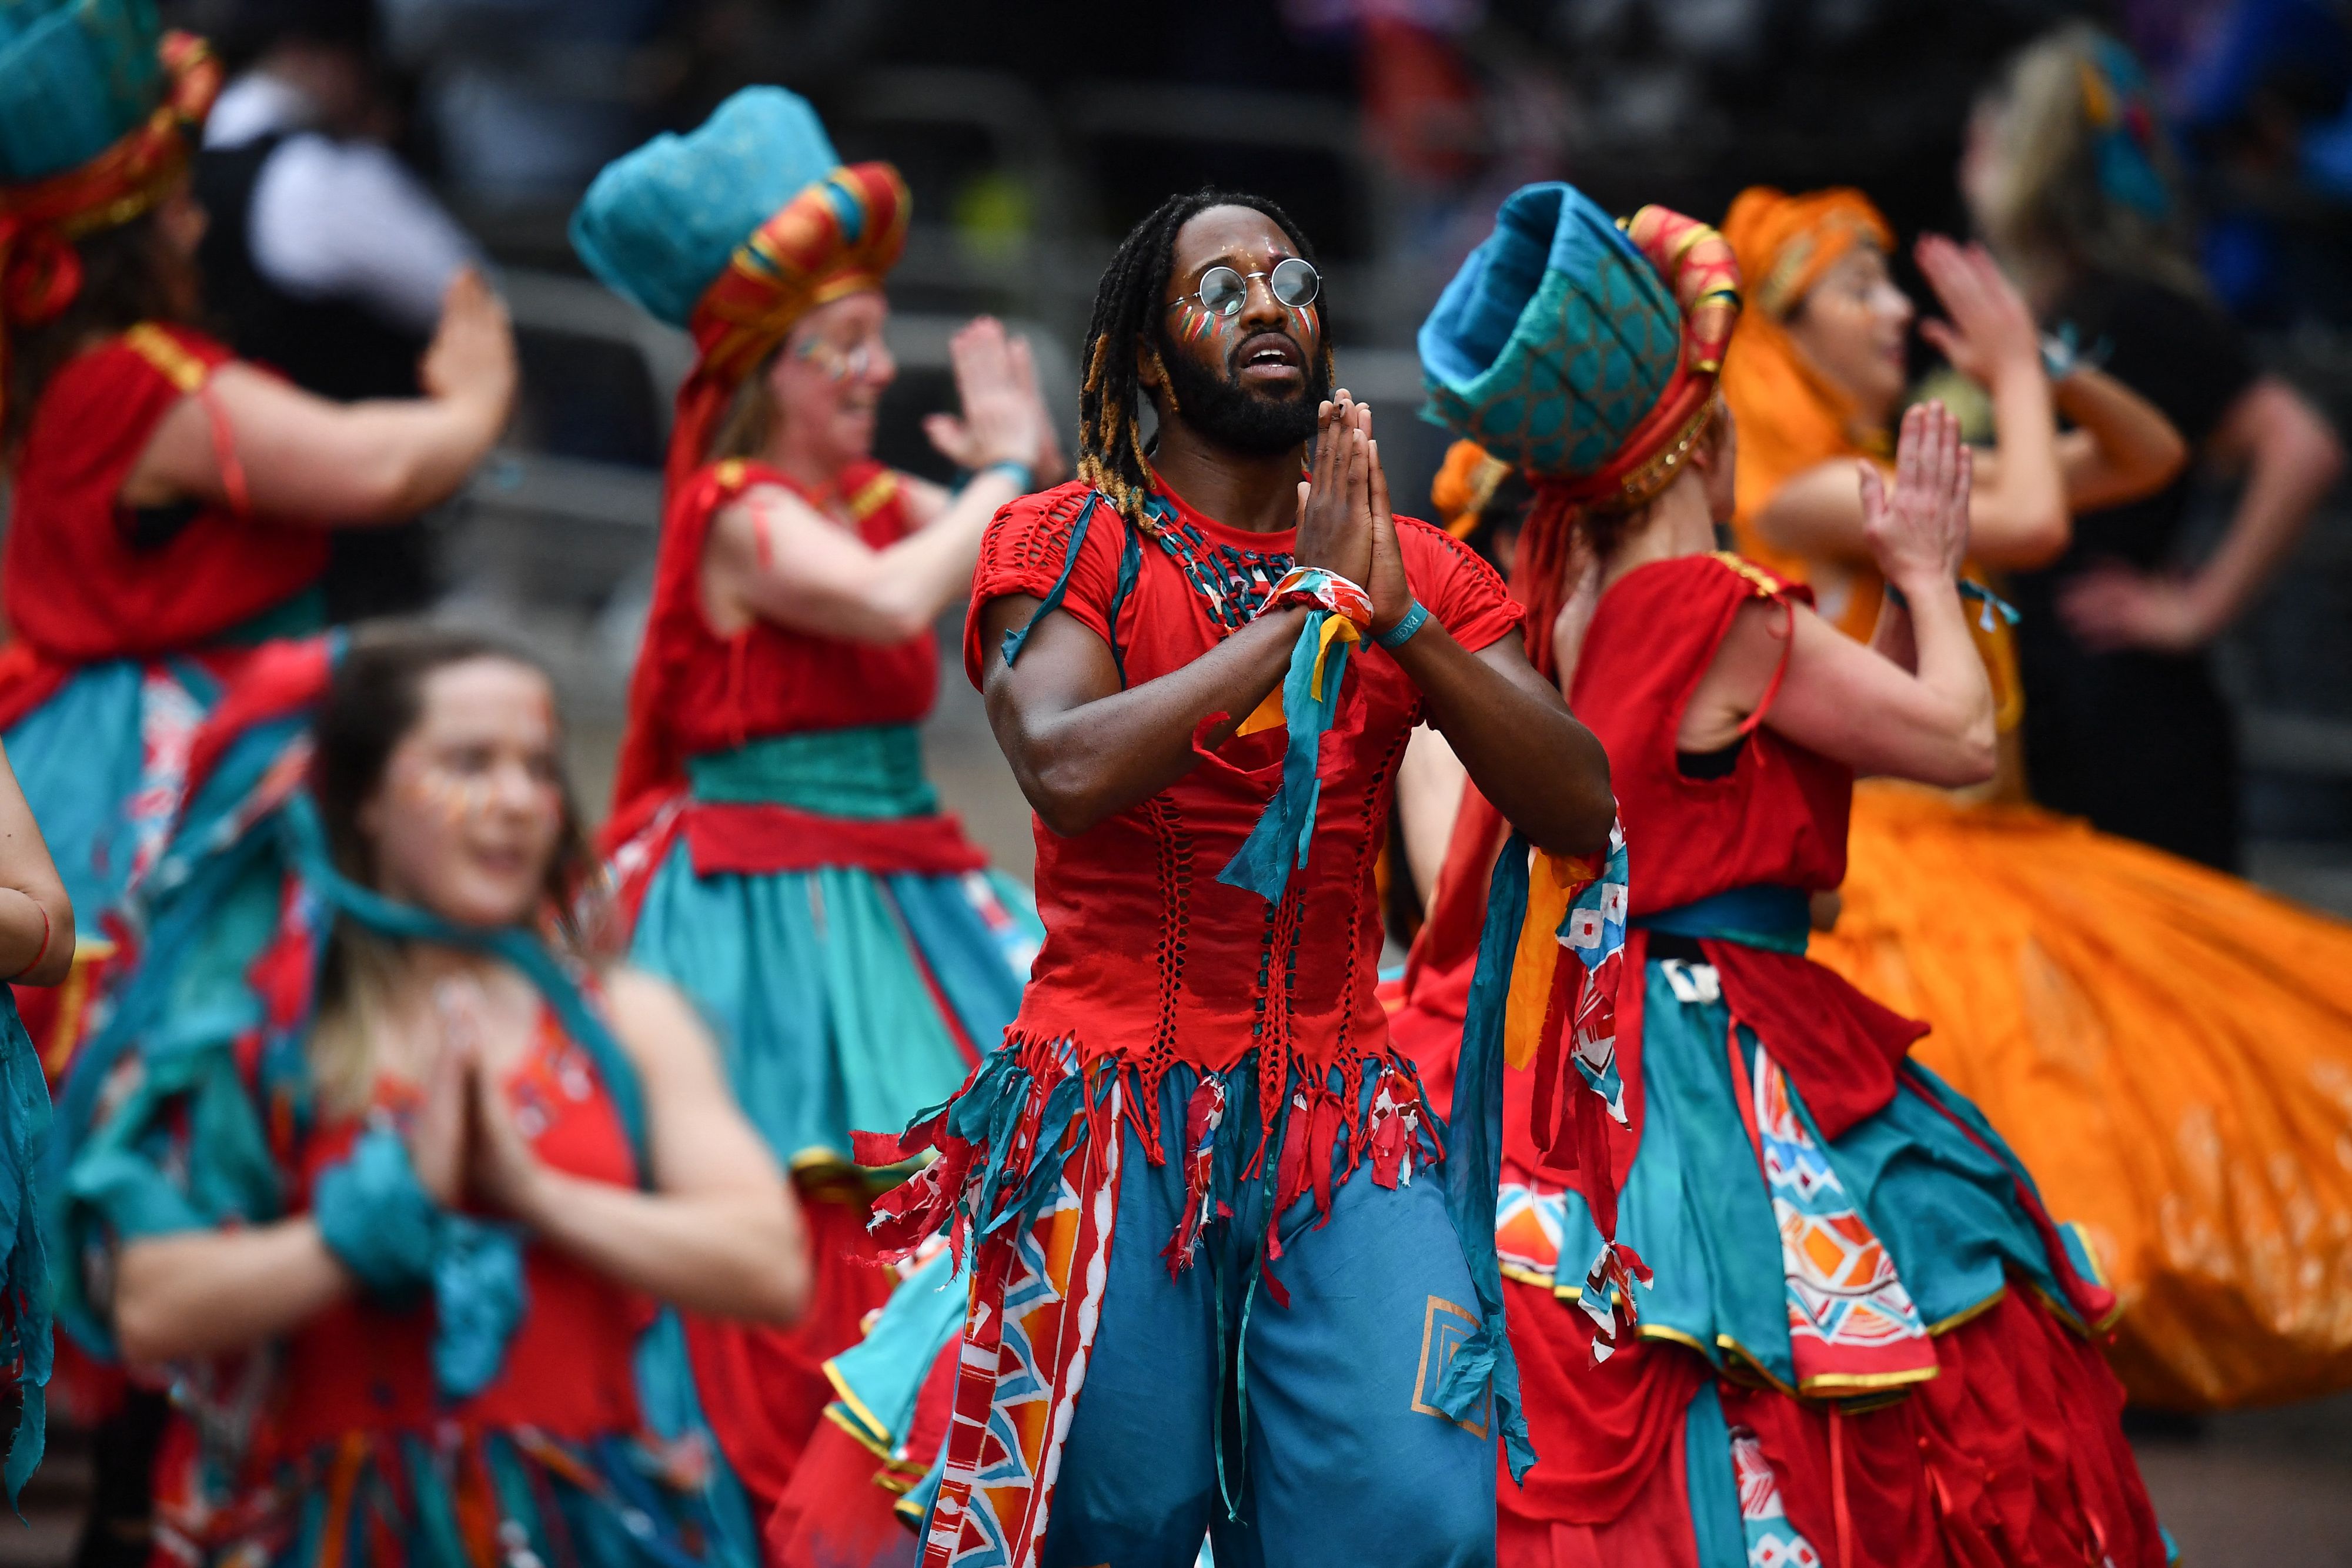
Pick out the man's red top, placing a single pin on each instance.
(1147, 956)
(81, 579)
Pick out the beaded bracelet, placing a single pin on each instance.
(1317, 589)
(1398, 635)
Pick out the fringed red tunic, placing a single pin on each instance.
(1149, 959)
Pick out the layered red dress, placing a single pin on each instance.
(783, 859)
(1865, 1342)
(121, 628)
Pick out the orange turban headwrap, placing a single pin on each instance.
(1463, 486)
(1790, 417)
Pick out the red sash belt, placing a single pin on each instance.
(755, 839)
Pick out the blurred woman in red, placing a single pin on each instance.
(782, 855)
(396, 1211)
(169, 502)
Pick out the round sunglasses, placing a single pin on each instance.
(1293, 281)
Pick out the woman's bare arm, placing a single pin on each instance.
(1429, 786)
(1852, 702)
(2121, 448)
(2291, 459)
(2018, 507)
(208, 1292)
(37, 918)
(308, 459)
(721, 1232)
(774, 556)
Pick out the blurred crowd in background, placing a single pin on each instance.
(376, 146)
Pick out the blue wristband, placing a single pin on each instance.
(1398, 635)
(1024, 479)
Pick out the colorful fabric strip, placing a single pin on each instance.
(1527, 1008)
(376, 1216)
(1853, 1327)
(1314, 587)
(1284, 831)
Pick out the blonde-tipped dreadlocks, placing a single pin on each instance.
(1128, 313)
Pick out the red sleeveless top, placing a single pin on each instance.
(569, 1370)
(1147, 957)
(77, 581)
(696, 692)
(1778, 817)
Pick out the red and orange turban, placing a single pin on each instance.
(839, 237)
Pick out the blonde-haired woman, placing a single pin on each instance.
(2068, 175)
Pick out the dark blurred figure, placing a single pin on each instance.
(2069, 174)
(326, 258)
(2264, 103)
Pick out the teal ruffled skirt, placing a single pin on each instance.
(1772, 1244)
(844, 997)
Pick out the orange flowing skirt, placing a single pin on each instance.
(2168, 1048)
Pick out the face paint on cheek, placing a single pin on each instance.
(1306, 327)
(1197, 323)
(449, 799)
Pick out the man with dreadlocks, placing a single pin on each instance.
(1194, 1176)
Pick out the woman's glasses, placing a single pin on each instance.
(836, 363)
(1293, 281)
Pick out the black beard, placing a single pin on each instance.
(1235, 418)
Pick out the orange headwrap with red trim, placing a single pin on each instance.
(40, 271)
(839, 237)
(1465, 483)
(1791, 416)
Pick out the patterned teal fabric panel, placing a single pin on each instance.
(1555, 339)
(75, 77)
(659, 223)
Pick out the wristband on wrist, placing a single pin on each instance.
(40, 952)
(1317, 589)
(1989, 603)
(1398, 635)
(377, 1218)
(1024, 478)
